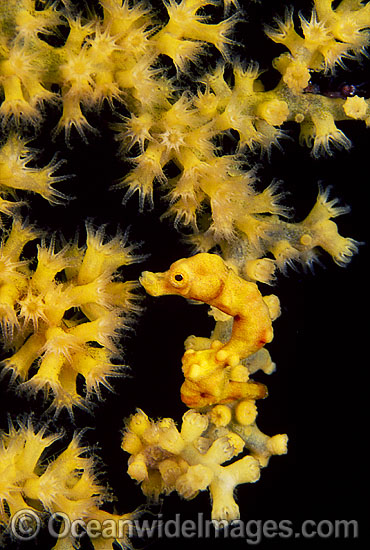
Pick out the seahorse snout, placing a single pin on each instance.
(154, 283)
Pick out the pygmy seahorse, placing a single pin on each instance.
(207, 278)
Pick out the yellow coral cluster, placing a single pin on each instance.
(64, 315)
(99, 59)
(16, 175)
(115, 56)
(184, 130)
(332, 35)
(264, 244)
(34, 487)
(164, 459)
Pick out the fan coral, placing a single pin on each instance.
(192, 113)
(189, 460)
(264, 243)
(16, 175)
(332, 35)
(36, 306)
(184, 131)
(65, 485)
(99, 59)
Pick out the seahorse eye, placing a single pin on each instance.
(178, 279)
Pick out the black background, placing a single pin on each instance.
(318, 393)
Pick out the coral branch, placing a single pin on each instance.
(35, 308)
(164, 459)
(65, 484)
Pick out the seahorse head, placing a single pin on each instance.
(200, 277)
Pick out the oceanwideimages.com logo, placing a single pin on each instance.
(26, 524)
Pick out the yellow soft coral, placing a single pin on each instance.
(257, 237)
(35, 308)
(100, 59)
(164, 459)
(331, 35)
(65, 485)
(60, 313)
(16, 175)
(185, 33)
